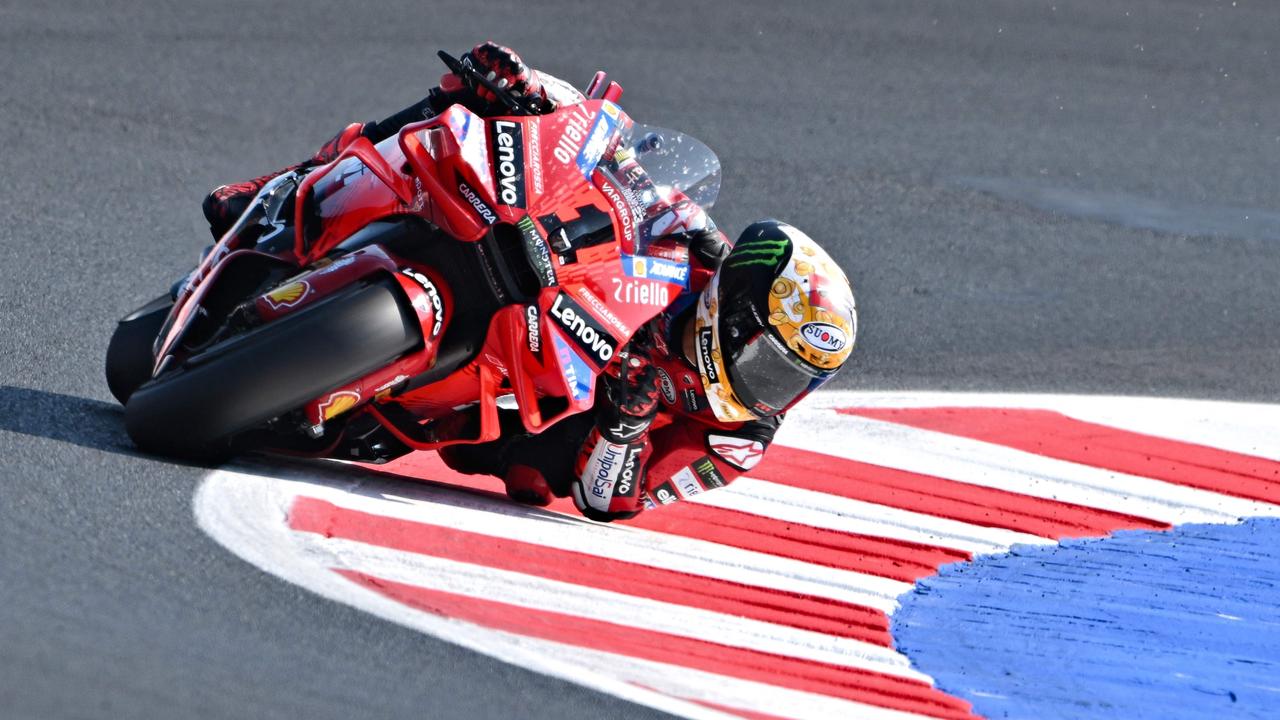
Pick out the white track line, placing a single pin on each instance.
(710, 687)
(1240, 427)
(246, 513)
(979, 463)
(791, 504)
(462, 510)
(539, 593)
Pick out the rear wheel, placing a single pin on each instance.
(195, 411)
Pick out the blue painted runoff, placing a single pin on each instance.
(1180, 624)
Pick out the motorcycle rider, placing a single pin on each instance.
(763, 323)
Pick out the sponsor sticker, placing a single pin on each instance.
(507, 153)
(585, 331)
(486, 213)
(535, 248)
(654, 268)
(572, 135)
(824, 336)
(338, 403)
(641, 292)
(708, 474)
(603, 310)
(629, 474)
(692, 401)
(533, 321)
(535, 156)
(704, 357)
(687, 482)
(665, 493)
(606, 465)
(742, 453)
(624, 209)
(576, 373)
(287, 296)
(667, 387)
(433, 299)
(597, 141)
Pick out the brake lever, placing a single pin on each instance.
(463, 70)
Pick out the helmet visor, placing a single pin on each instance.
(766, 378)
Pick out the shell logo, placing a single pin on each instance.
(338, 403)
(286, 296)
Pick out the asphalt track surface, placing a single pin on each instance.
(1019, 191)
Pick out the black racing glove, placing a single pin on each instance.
(632, 390)
(504, 67)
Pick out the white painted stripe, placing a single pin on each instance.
(468, 511)
(723, 690)
(246, 514)
(989, 465)
(539, 593)
(833, 512)
(1234, 426)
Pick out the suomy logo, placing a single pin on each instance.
(508, 162)
(824, 336)
(585, 331)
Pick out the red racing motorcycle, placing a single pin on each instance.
(355, 307)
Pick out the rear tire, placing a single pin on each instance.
(129, 356)
(194, 412)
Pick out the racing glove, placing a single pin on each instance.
(609, 473)
(505, 68)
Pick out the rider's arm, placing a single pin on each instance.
(608, 477)
(689, 457)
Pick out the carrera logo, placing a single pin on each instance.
(667, 387)
(508, 162)
(824, 336)
(433, 298)
(534, 323)
(641, 292)
(485, 211)
(585, 331)
(704, 356)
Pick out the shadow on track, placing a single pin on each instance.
(66, 418)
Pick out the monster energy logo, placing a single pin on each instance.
(758, 251)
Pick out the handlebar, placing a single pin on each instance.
(519, 105)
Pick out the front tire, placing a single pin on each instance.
(194, 412)
(129, 356)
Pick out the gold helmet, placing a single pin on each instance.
(775, 323)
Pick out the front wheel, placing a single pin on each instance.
(129, 358)
(194, 411)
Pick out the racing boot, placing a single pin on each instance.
(227, 203)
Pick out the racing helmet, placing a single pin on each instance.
(775, 322)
